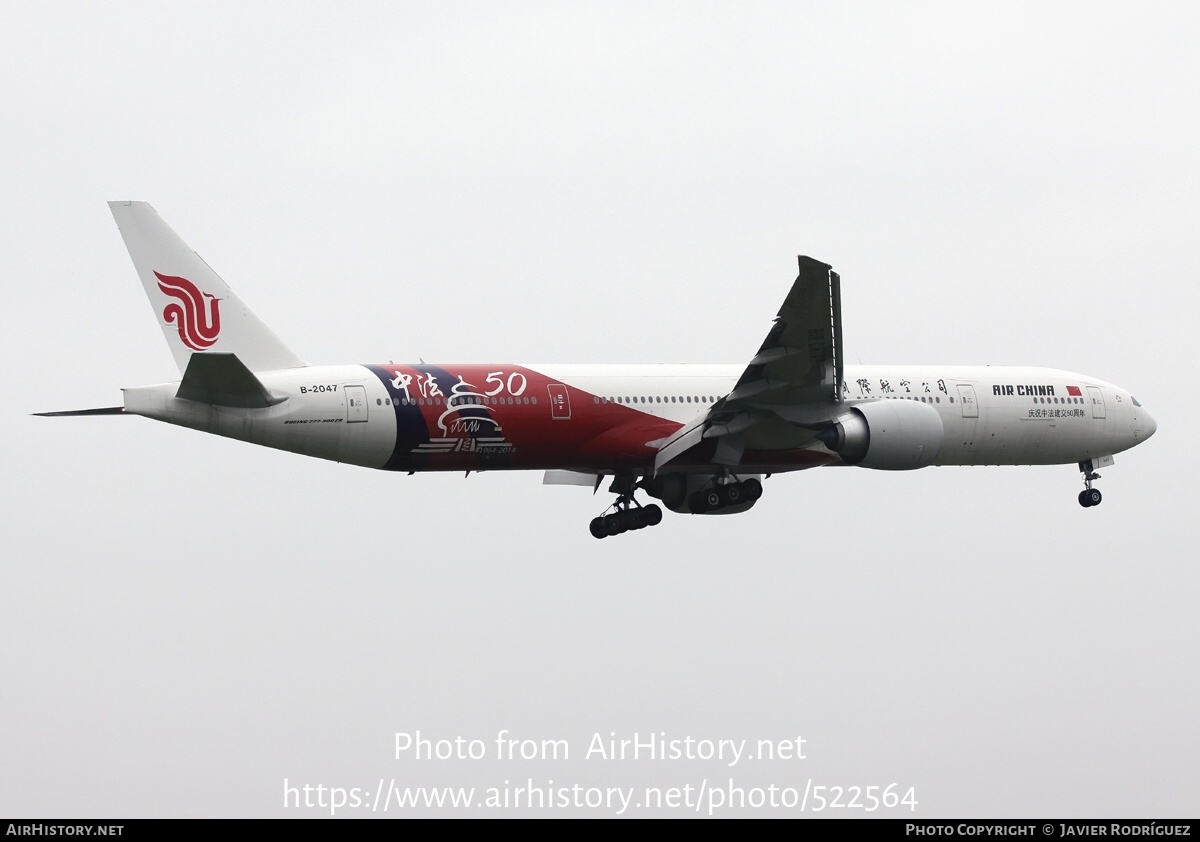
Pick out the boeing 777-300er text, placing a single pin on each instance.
(696, 437)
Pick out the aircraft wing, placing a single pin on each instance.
(789, 388)
(800, 361)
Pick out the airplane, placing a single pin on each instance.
(698, 438)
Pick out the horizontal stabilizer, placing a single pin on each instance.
(222, 380)
(104, 410)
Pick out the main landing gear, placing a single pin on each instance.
(624, 519)
(1089, 496)
(724, 495)
(627, 512)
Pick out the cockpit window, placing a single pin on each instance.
(1135, 400)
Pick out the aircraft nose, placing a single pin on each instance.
(1149, 425)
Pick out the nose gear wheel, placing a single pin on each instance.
(1089, 496)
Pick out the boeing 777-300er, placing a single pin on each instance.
(699, 438)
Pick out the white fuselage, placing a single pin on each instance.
(991, 415)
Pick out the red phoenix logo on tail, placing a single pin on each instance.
(198, 325)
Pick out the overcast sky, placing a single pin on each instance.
(189, 621)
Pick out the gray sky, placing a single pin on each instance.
(188, 621)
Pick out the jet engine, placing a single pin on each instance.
(890, 435)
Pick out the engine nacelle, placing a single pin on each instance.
(890, 435)
(674, 489)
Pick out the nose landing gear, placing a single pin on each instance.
(1089, 496)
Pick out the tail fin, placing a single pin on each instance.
(197, 311)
